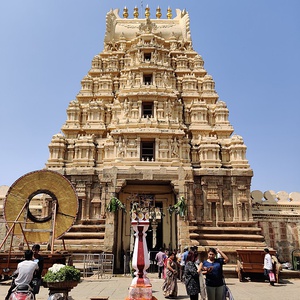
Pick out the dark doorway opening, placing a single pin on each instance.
(154, 233)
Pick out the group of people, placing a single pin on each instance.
(27, 270)
(186, 266)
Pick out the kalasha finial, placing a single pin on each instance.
(147, 12)
(169, 13)
(136, 12)
(158, 13)
(125, 12)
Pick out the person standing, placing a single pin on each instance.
(165, 263)
(191, 276)
(213, 269)
(159, 258)
(39, 259)
(25, 271)
(179, 259)
(182, 262)
(268, 266)
(170, 287)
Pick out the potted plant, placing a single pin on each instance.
(60, 278)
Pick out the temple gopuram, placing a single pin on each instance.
(148, 127)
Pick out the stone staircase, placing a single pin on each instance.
(228, 237)
(86, 236)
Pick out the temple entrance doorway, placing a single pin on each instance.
(156, 199)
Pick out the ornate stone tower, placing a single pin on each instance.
(148, 126)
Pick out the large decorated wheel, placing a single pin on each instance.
(56, 210)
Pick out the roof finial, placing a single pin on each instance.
(158, 13)
(136, 12)
(169, 13)
(125, 12)
(147, 12)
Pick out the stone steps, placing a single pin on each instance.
(87, 236)
(229, 238)
(235, 237)
(225, 229)
(81, 242)
(88, 228)
(233, 244)
(80, 246)
(84, 235)
(92, 222)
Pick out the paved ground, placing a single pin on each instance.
(116, 288)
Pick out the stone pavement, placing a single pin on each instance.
(116, 288)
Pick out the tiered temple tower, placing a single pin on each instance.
(147, 126)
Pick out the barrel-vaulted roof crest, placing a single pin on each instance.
(127, 28)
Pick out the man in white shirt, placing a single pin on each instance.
(268, 266)
(25, 271)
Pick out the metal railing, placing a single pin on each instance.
(94, 264)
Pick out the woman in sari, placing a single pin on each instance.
(170, 287)
(191, 276)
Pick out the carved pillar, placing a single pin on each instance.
(155, 116)
(180, 149)
(140, 108)
(240, 211)
(157, 156)
(83, 208)
(189, 187)
(96, 204)
(88, 200)
(138, 147)
(220, 210)
(108, 116)
(234, 202)
(84, 116)
(154, 229)
(81, 193)
(249, 204)
(169, 148)
(250, 211)
(206, 206)
(198, 204)
(247, 211)
(140, 287)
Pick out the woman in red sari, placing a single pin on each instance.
(170, 287)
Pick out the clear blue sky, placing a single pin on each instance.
(250, 47)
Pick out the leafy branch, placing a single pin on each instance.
(179, 207)
(114, 205)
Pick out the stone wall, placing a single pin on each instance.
(278, 214)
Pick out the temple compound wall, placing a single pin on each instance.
(148, 127)
(278, 214)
